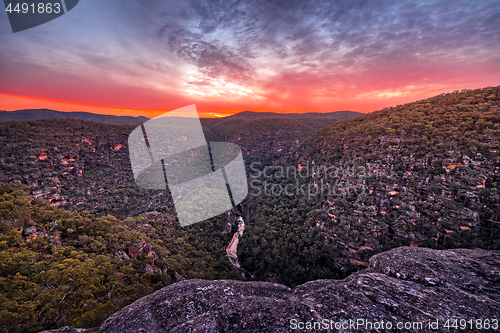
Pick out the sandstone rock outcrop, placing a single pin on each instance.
(403, 285)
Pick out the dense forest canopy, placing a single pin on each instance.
(61, 268)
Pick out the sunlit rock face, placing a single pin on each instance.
(402, 285)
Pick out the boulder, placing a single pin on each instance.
(28, 231)
(402, 285)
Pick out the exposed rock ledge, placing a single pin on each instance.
(401, 285)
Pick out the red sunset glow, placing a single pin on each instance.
(346, 57)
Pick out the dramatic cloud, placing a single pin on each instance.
(263, 55)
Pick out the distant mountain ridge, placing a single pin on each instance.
(315, 120)
(37, 114)
(336, 114)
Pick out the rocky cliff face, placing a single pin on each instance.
(405, 285)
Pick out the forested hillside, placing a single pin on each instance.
(425, 173)
(77, 165)
(59, 268)
(84, 165)
(266, 139)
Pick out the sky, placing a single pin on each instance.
(146, 57)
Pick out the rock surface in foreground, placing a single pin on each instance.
(402, 285)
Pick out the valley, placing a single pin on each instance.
(322, 201)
